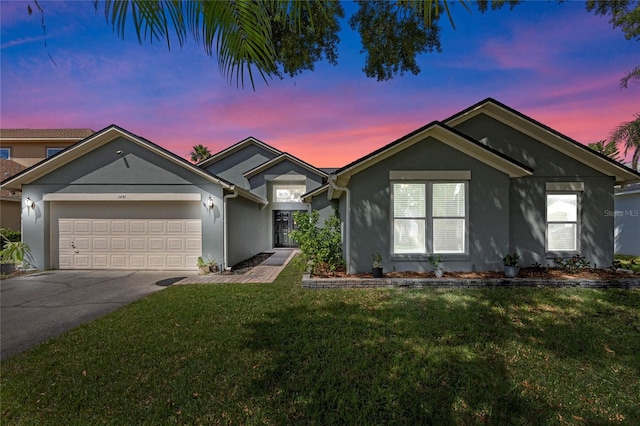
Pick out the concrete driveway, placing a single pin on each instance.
(36, 307)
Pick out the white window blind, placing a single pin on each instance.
(409, 218)
(449, 218)
(562, 222)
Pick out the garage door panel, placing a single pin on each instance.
(138, 227)
(100, 261)
(81, 227)
(129, 243)
(100, 227)
(193, 227)
(138, 261)
(175, 244)
(119, 227)
(119, 244)
(192, 244)
(119, 261)
(100, 244)
(157, 227)
(175, 227)
(138, 243)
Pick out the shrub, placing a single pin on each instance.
(574, 264)
(321, 246)
(11, 235)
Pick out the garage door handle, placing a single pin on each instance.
(73, 246)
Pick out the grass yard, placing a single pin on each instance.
(630, 262)
(278, 354)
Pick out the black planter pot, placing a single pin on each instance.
(7, 268)
(376, 272)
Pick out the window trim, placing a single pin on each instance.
(429, 217)
(559, 253)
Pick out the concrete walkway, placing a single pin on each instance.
(266, 272)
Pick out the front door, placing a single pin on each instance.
(282, 226)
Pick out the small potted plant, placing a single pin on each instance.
(511, 267)
(203, 266)
(376, 269)
(17, 254)
(213, 266)
(435, 262)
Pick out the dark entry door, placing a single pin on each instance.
(282, 226)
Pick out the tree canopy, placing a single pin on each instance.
(273, 38)
(199, 153)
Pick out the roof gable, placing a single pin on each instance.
(547, 136)
(284, 157)
(271, 151)
(445, 135)
(102, 138)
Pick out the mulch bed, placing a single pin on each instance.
(528, 273)
(247, 264)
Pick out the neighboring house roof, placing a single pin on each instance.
(445, 135)
(235, 148)
(9, 168)
(38, 134)
(631, 189)
(284, 157)
(548, 136)
(102, 137)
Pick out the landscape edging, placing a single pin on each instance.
(453, 283)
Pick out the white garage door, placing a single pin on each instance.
(171, 244)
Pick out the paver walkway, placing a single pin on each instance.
(266, 272)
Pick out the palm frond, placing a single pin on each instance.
(633, 75)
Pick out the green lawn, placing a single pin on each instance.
(279, 354)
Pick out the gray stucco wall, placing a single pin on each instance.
(371, 211)
(247, 222)
(527, 195)
(233, 167)
(627, 223)
(137, 170)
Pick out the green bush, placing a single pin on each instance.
(10, 235)
(321, 246)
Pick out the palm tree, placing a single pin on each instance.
(628, 133)
(610, 149)
(199, 153)
(240, 33)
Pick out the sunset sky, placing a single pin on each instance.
(553, 62)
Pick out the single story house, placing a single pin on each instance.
(472, 188)
(483, 183)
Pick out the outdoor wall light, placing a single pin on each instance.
(210, 203)
(29, 203)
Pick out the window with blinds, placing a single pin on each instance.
(562, 222)
(409, 218)
(429, 217)
(449, 217)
